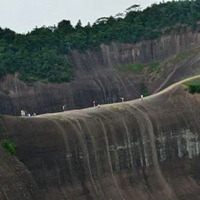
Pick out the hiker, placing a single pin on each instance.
(142, 97)
(64, 107)
(122, 99)
(94, 103)
(22, 113)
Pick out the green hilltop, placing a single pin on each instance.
(39, 55)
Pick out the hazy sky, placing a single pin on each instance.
(24, 15)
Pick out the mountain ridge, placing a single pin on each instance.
(142, 148)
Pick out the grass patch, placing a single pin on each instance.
(9, 146)
(134, 67)
(114, 107)
(183, 55)
(154, 66)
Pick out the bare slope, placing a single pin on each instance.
(142, 149)
(16, 181)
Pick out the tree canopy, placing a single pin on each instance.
(40, 54)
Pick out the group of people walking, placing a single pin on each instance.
(64, 107)
(24, 113)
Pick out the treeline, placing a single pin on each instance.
(40, 54)
(36, 56)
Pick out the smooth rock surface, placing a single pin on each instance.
(141, 149)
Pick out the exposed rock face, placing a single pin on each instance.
(142, 149)
(97, 78)
(103, 87)
(16, 181)
(142, 52)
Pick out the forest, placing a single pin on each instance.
(40, 55)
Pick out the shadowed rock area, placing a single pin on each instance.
(143, 149)
(16, 181)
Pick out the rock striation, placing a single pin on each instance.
(141, 149)
(16, 181)
(97, 77)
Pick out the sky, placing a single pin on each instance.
(23, 16)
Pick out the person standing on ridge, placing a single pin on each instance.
(22, 113)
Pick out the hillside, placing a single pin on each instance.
(107, 75)
(141, 149)
(140, 52)
(16, 180)
(40, 55)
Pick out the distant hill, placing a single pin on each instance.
(40, 54)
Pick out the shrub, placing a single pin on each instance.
(144, 90)
(9, 146)
(194, 88)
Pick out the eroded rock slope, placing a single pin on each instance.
(16, 182)
(143, 149)
(97, 75)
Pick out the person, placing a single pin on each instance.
(142, 97)
(34, 114)
(122, 99)
(64, 107)
(22, 113)
(94, 103)
(29, 114)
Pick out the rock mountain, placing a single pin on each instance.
(98, 77)
(139, 149)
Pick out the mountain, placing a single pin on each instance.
(116, 57)
(116, 70)
(143, 149)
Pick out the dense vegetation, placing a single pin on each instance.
(194, 88)
(40, 54)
